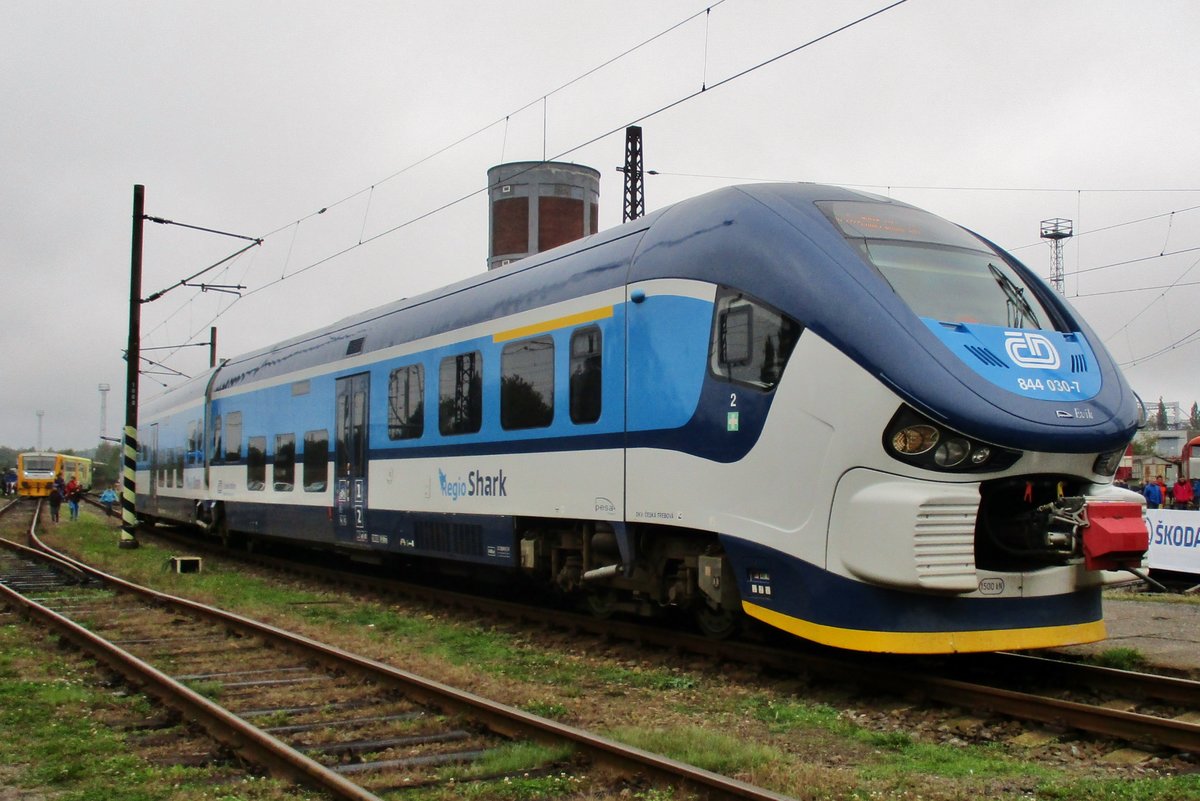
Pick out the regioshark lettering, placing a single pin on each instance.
(477, 485)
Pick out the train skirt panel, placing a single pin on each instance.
(799, 597)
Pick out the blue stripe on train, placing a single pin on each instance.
(802, 590)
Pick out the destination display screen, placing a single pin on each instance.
(864, 220)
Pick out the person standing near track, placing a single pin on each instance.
(108, 498)
(56, 499)
(74, 496)
(1183, 493)
(1153, 494)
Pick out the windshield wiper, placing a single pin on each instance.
(1016, 299)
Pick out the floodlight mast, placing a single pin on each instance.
(104, 388)
(1056, 230)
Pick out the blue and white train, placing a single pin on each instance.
(827, 410)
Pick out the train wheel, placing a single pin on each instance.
(601, 603)
(719, 624)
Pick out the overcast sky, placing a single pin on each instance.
(250, 117)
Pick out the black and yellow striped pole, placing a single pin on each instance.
(132, 364)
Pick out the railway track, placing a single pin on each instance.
(303, 710)
(1140, 708)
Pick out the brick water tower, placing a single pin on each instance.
(538, 205)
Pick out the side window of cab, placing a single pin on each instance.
(751, 342)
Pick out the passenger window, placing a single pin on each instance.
(284, 473)
(233, 437)
(460, 394)
(256, 464)
(751, 343)
(316, 460)
(527, 383)
(218, 454)
(191, 451)
(585, 375)
(406, 402)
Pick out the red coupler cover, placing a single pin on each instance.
(1115, 536)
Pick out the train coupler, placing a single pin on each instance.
(1115, 535)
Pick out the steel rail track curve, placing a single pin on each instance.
(260, 747)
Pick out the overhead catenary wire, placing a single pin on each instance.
(505, 119)
(1182, 342)
(1179, 342)
(192, 334)
(539, 99)
(1139, 220)
(662, 109)
(1126, 290)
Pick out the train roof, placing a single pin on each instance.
(601, 261)
(769, 240)
(596, 262)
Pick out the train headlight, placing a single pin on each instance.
(952, 452)
(915, 439)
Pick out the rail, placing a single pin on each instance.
(262, 748)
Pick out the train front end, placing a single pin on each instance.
(35, 474)
(954, 428)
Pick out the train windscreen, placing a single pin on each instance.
(38, 464)
(940, 270)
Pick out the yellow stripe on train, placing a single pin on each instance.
(932, 642)
(602, 313)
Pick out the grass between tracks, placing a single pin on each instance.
(61, 736)
(757, 733)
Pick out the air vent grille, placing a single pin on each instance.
(986, 356)
(462, 539)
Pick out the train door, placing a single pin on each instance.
(667, 339)
(352, 404)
